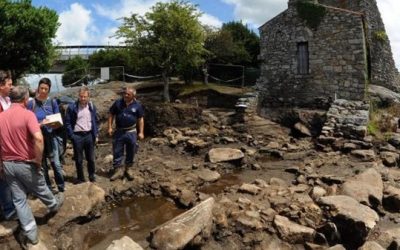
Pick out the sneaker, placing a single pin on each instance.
(25, 242)
(60, 201)
(119, 174)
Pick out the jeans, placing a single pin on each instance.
(124, 139)
(56, 166)
(6, 199)
(84, 143)
(24, 178)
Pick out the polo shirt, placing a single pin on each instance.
(17, 126)
(126, 116)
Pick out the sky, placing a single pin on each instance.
(94, 22)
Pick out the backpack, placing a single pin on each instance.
(61, 132)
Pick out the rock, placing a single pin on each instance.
(187, 198)
(249, 188)
(391, 199)
(292, 232)
(108, 159)
(353, 220)
(277, 182)
(387, 237)
(178, 232)
(125, 243)
(159, 141)
(371, 245)
(246, 222)
(317, 192)
(196, 144)
(394, 140)
(390, 159)
(80, 200)
(300, 127)
(273, 145)
(366, 188)
(208, 175)
(7, 228)
(382, 95)
(224, 154)
(365, 155)
(38, 246)
(337, 247)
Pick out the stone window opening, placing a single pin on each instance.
(302, 58)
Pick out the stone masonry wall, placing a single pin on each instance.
(383, 71)
(337, 60)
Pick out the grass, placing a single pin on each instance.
(198, 87)
(382, 121)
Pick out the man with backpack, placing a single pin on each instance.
(82, 128)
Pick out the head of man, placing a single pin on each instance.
(44, 87)
(129, 94)
(84, 96)
(5, 83)
(19, 94)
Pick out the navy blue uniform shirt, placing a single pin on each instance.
(126, 116)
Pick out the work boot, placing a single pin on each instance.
(119, 174)
(129, 173)
(60, 201)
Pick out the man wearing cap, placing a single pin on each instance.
(6, 203)
(128, 115)
(21, 143)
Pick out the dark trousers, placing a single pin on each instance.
(121, 140)
(83, 142)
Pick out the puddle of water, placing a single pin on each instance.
(226, 180)
(134, 218)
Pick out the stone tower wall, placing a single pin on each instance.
(337, 60)
(383, 71)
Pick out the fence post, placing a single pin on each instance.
(242, 76)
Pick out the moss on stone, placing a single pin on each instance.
(310, 12)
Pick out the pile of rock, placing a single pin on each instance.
(348, 119)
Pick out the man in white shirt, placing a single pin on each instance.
(5, 88)
(6, 202)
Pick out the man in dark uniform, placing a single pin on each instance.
(128, 115)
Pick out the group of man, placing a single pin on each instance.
(22, 144)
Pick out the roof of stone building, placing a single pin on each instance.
(326, 6)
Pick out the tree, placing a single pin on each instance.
(75, 70)
(244, 38)
(233, 43)
(26, 34)
(169, 37)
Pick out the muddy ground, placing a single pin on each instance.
(173, 173)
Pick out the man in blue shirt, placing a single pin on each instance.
(128, 115)
(82, 128)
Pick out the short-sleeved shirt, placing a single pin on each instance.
(126, 116)
(42, 109)
(17, 127)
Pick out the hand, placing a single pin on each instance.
(96, 140)
(110, 131)
(141, 136)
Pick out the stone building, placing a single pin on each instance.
(317, 51)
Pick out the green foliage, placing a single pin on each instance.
(26, 34)
(168, 37)
(310, 12)
(234, 43)
(76, 69)
(380, 36)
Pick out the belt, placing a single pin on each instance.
(19, 161)
(83, 133)
(128, 129)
